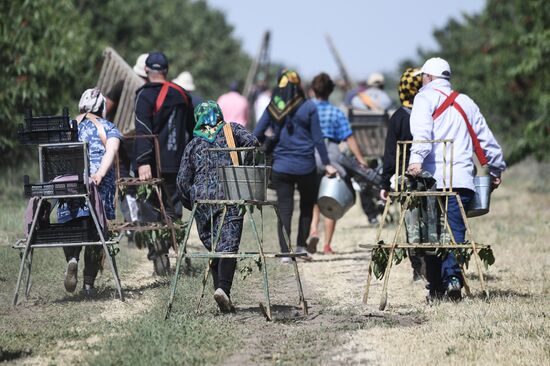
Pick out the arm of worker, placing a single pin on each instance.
(186, 176)
(243, 138)
(421, 129)
(346, 134)
(490, 146)
(318, 141)
(111, 148)
(190, 121)
(388, 167)
(144, 150)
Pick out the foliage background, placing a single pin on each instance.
(51, 51)
(501, 58)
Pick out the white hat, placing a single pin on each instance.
(139, 67)
(436, 66)
(185, 80)
(375, 78)
(91, 101)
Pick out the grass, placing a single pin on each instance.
(511, 328)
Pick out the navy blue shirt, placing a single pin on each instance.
(299, 137)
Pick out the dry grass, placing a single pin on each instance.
(512, 328)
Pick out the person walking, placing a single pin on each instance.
(103, 140)
(335, 128)
(441, 113)
(399, 130)
(163, 109)
(198, 179)
(234, 106)
(296, 134)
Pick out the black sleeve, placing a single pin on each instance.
(144, 152)
(190, 117)
(389, 150)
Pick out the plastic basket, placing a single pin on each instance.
(47, 129)
(62, 160)
(71, 232)
(54, 188)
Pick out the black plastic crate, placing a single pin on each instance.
(48, 129)
(78, 231)
(53, 188)
(62, 160)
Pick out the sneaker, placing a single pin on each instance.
(286, 260)
(307, 257)
(224, 302)
(373, 221)
(454, 289)
(328, 250)
(89, 290)
(71, 275)
(311, 243)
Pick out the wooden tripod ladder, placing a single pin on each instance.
(405, 198)
(257, 230)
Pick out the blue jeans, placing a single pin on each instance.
(438, 272)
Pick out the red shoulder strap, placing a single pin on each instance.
(446, 104)
(451, 101)
(164, 92)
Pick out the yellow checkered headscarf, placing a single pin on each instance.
(409, 84)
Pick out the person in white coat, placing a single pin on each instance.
(440, 113)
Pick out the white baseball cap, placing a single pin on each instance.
(139, 67)
(375, 78)
(185, 80)
(436, 66)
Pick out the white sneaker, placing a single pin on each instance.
(286, 260)
(224, 302)
(71, 275)
(307, 257)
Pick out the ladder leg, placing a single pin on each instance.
(204, 281)
(369, 279)
(181, 255)
(110, 258)
(28, 281)
(303, 302)
(384, 297)
(27, 250)
(474, 249)
(266, 311)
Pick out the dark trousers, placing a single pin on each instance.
(223, 271)
(438, 272)
(284, 185)
(92, 258)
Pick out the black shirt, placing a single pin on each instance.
(399, 129)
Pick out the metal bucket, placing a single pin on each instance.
(335, 197)
(244, 182)
(482, 198)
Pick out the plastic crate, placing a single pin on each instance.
(62, 160)
(53, 188)
(48, 129)
(77, 231)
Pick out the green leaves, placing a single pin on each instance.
(501, 58)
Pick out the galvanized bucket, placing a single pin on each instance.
(335, 197)
(482, 198)
(244, 182)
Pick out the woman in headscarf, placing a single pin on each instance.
(103, 140)
(198, 179)
(296, 133)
